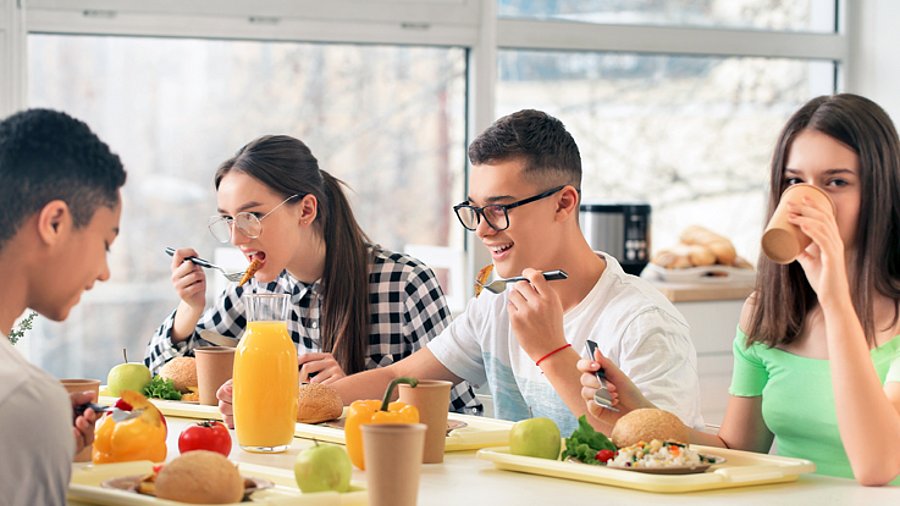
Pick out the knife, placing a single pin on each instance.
(218, 339)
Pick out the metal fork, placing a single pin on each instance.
(602, 395)
(498, 285)
(234, 277)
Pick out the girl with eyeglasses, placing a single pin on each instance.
(355, 305)
(817, 351)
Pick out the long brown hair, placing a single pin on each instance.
(784, 297)
(288, 167)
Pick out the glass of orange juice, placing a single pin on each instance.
(265, 377)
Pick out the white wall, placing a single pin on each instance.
(874, 64)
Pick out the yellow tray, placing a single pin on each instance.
(86, 480)
(175, 408)
(479, 432)
(740, 470)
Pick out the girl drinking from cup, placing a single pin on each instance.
(355, 305)
(817, 351)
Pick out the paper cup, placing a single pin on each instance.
(782, 241)
(77, 385)
(393, 456)
(432, 399)
(215, 366)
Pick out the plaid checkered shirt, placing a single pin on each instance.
(406, 304)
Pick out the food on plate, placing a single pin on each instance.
(699, 247)
(254, 266)
(323, 467)
(127, 376)
(364, 412)
(147, 485)
(481, 279)
(183, 373)
(138, 433)
(160, 388)
(718, 244)
(587, 445)
(318, 403)
(535, 437)
(642, 425)
(659, 454)
(207, 435)
(200, 477)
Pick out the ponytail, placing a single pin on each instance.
(345, 312)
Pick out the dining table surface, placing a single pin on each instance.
(464, 479)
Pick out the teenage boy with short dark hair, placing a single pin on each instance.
(59, 213)
(524, 343)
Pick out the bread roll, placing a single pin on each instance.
(723, 250)
(182, 371)
(646, 425)
(700, 255)
(669, 259)
(695, 234)
(741, 263)
(200, 477)
(318, 403)
(719, 245)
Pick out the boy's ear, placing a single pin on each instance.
(53, 219)
(568, 201)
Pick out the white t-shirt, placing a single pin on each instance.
(35, 433)
(635, 326)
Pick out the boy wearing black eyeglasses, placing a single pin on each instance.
(524, 343)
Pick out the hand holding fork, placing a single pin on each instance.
(602, 396)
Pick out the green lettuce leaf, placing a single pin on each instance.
(160, 388)
(585, 442)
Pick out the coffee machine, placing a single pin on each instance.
(621, 229)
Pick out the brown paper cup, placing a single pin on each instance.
(215, 365)
(75, 385)
(782, 241)
(432, 399)
(393, 456)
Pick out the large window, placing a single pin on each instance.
(674, 102)
(690, 135)
(388, 120)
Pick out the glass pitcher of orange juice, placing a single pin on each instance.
(265, 377)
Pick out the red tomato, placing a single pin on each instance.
(605, 455)
(208, 435)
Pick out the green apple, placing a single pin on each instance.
(128, 376)
(323, 467)
(535, 437)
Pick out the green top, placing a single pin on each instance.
(798, 400)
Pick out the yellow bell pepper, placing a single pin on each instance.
(139, 438)
(375, 412)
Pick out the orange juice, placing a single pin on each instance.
(265, 387)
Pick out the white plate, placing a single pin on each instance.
(712, 274)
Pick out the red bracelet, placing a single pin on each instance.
(545, 357)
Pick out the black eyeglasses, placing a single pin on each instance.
(496, 215)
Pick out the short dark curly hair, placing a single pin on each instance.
(48, 155)
(540, 140)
